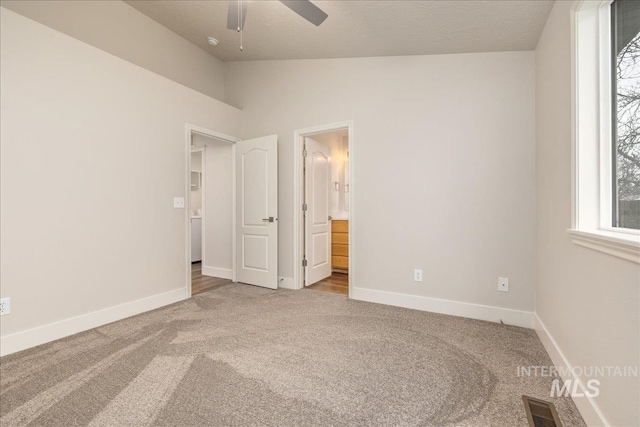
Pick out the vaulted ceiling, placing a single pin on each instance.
(356, 28)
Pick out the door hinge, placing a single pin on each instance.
(304, 153)
(304, 262)
(304, 206)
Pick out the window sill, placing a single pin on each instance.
(621, 245)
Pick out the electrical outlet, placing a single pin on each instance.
(417, 275)
(503, 284)
(5, 306)
(178, 202)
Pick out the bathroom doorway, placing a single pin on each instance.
(324, 221)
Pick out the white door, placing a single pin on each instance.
(317, 222)
(257, 211)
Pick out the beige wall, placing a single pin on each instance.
(196, 195)
(588, 301)
(218, 221)
(443, 158)
(98, 145)
(121, 30)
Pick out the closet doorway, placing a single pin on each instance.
(325, 215)
(211, 209)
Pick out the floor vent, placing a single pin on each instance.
(541, 413)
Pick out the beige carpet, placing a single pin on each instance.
(241, 355)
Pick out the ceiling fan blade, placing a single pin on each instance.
(307, 10)
(232, 16)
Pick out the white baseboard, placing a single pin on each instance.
(223, 273)
(455, 308)
(588, 408)
(46, 333)
(287, 283)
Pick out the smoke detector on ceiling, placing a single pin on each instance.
(212, 41)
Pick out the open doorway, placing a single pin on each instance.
(324, 220)
(211, 210)
(232, 229)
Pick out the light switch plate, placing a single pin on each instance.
(5, 306)
(178, 202)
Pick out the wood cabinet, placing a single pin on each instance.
(340, 245)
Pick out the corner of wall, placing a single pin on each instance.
(587, 407)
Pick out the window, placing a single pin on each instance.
(625, 35)
(606, 127)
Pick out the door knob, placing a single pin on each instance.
(270, 219)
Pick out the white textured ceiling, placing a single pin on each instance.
(357, 28)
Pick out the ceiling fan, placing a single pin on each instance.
(304, 8)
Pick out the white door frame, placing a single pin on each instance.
(191, 129)
(203, 152)
(298, 197)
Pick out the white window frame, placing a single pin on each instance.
(591, 73)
